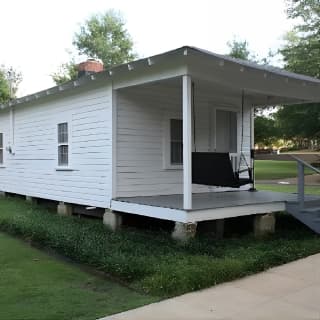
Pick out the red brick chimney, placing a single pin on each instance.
(89, 67)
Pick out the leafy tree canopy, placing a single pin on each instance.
(239, 49)
(301, 54)
(4, 88)
(67, 71)
(265, 130)
(103, 37)
(9, 82)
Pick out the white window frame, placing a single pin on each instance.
(66, 167)
(167, 142)
(2, 161)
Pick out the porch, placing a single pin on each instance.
(204, 107)
(205, 206)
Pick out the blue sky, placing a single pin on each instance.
(36, 35)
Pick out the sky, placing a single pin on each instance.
(37, 34)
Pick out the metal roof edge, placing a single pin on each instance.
(108, 74)
(254, 65)
(149, 61)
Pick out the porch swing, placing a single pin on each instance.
(215, 168)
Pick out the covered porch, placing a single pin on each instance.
(213, 96)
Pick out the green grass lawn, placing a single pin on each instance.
(272, 169)
(34, 285)
(314, 190)
(146, 260)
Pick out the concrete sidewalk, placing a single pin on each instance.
(291, 291)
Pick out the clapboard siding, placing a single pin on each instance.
(141, 117)
(32, 170)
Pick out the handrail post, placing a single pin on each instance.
(300, 185)
(301, 164)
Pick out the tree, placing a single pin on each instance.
(103, 37)
(299, 123)
(302, 50)
(301, 54)
(239, 49)
(9, 82)
(67, 71)
(265, 131)
(4, 88)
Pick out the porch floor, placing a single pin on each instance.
(206, 206)
(213, 200)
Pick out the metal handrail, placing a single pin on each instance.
(306, 164)
(301, 165)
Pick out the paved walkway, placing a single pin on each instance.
(291, 291)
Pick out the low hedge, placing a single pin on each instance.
(151, 261)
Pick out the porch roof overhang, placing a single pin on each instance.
(262, 84)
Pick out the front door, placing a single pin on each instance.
(224, 131)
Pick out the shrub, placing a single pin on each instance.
(151, 261)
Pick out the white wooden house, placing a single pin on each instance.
(122, 139)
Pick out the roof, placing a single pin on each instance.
(127, 67)
(263, 67)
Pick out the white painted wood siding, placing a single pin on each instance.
(141, 117)
(32, 170)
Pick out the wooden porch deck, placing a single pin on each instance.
(205, 206)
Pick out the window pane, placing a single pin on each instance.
(176, 152)
(1, 156)
(63, 151)
(176, 129)
(63, 132)
(1, 140)
(176, 145)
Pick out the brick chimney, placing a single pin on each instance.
(89, 67)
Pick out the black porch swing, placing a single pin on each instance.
(215, 168)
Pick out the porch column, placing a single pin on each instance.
(187, 142)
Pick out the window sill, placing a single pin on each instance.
(64, 169)
(174, 167)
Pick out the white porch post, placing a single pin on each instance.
(187, 142)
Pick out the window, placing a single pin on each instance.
(63, 144)
(176, 142)
(1, 148)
